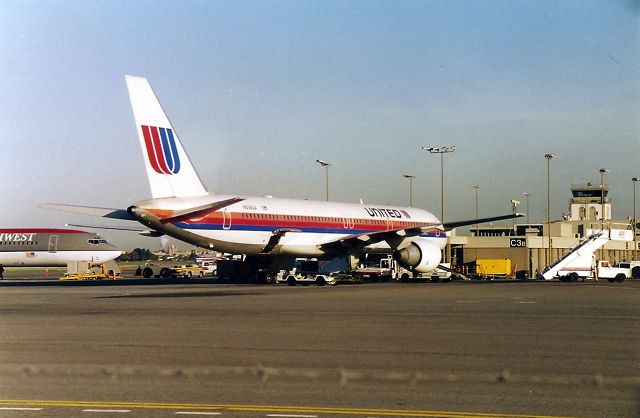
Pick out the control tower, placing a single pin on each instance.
(587, 202)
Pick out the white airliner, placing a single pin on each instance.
(50, 247)
(182, 208)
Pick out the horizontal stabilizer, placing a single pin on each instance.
(90, 210)
(112, 228)
(143, 232)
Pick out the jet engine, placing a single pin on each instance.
(420, 255)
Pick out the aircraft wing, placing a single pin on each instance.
(368, 238)
(90, 210)
(448, 226)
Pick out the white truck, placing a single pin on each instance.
(382, 271)
(584, 269)
(387, 268)
(634, 266)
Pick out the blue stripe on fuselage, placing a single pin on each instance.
(271, 228)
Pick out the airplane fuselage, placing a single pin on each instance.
(302, 226)
(52, 247)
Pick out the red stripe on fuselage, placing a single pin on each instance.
(296, 221)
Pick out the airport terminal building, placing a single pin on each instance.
(530, 247)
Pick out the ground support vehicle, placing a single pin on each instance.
(612, 274)
(293, 278)
(443, 273)
(106, 271)
(634, 266)
(303, 272)
(260, 270)
(309, 272)
(491, 268)
(235, 270)
(154, 270)
(209, 267)
(580, 262)
(601, 269)
(380, 271)
(186, 271)
(149, 270)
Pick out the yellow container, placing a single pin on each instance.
(494, 266)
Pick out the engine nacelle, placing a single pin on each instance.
(421, 256)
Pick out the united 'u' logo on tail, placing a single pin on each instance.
(161, 149)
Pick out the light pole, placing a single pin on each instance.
(514, 205)
(410, 177)
(635, 239)
(549, 157)
(476, 187)
(526, 196)
(326, 166)
(441, 151)
(602, 173)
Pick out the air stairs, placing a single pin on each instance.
(585, 248)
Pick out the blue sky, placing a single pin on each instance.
(259, 90)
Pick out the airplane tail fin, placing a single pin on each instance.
(169, 169)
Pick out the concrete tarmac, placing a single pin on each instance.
(449, 349)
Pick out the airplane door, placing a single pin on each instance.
(390, 224)
(226, 219)
(53, 243)
(348, 223)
